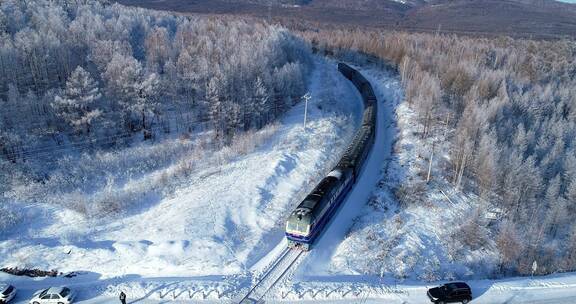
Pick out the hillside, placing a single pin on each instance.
(511, 17)
(493, 121)
(523, 18)
(101, 105)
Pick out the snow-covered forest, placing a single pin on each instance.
(88, 89)
(501, 114)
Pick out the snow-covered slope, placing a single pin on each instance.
(222, 222)
(410, 242)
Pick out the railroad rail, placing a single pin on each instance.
(273, 275)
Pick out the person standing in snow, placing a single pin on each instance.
(122, 297)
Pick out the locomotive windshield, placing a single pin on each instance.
(297, 226)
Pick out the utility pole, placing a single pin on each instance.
(430, 164)
(306, 97)
(461, 173)
(446, 125)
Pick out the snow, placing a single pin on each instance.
(378, 237)
(369, 289)
(352, 289)
(209, 240)
(222, 223)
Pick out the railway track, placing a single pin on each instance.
(273, 275)
(314, 213)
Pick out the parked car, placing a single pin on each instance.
(53, 295)
(450, 293)
(7, 292)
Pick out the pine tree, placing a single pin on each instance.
(234, 116)
(260, 102)
(76, 105)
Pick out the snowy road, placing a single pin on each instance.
(559, 288)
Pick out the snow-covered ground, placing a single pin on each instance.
(368, 289)
(208, 241)
(410, 242)
(341, 289)
(222, 223)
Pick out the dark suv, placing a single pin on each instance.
(451, 292)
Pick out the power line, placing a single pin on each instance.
(268, 108)
(130, 132)
(49, 150)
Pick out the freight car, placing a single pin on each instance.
(308, 220)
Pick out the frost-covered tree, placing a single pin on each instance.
(215, 106)
(487, 164)
(65, 63)
(509, 245)
(569, 251)
(146, 100)
(571, 196)
(76, 105)
(260, 102)
(509, 111)
(157, 49)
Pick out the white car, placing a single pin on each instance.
(7, 292)
(53, 295)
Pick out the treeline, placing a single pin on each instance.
(73, 72)
(511, 107)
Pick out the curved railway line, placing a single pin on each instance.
(309, 219)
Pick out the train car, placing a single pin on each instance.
(360, 82)
(362, 150)
(346, 70)
(368, 95)
(369, 117)
(307, 221)
(357, 151)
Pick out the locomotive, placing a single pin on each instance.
(308, 220)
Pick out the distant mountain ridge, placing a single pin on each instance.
(529, 18)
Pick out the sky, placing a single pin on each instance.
(567, 1)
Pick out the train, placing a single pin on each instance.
(310, 217)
